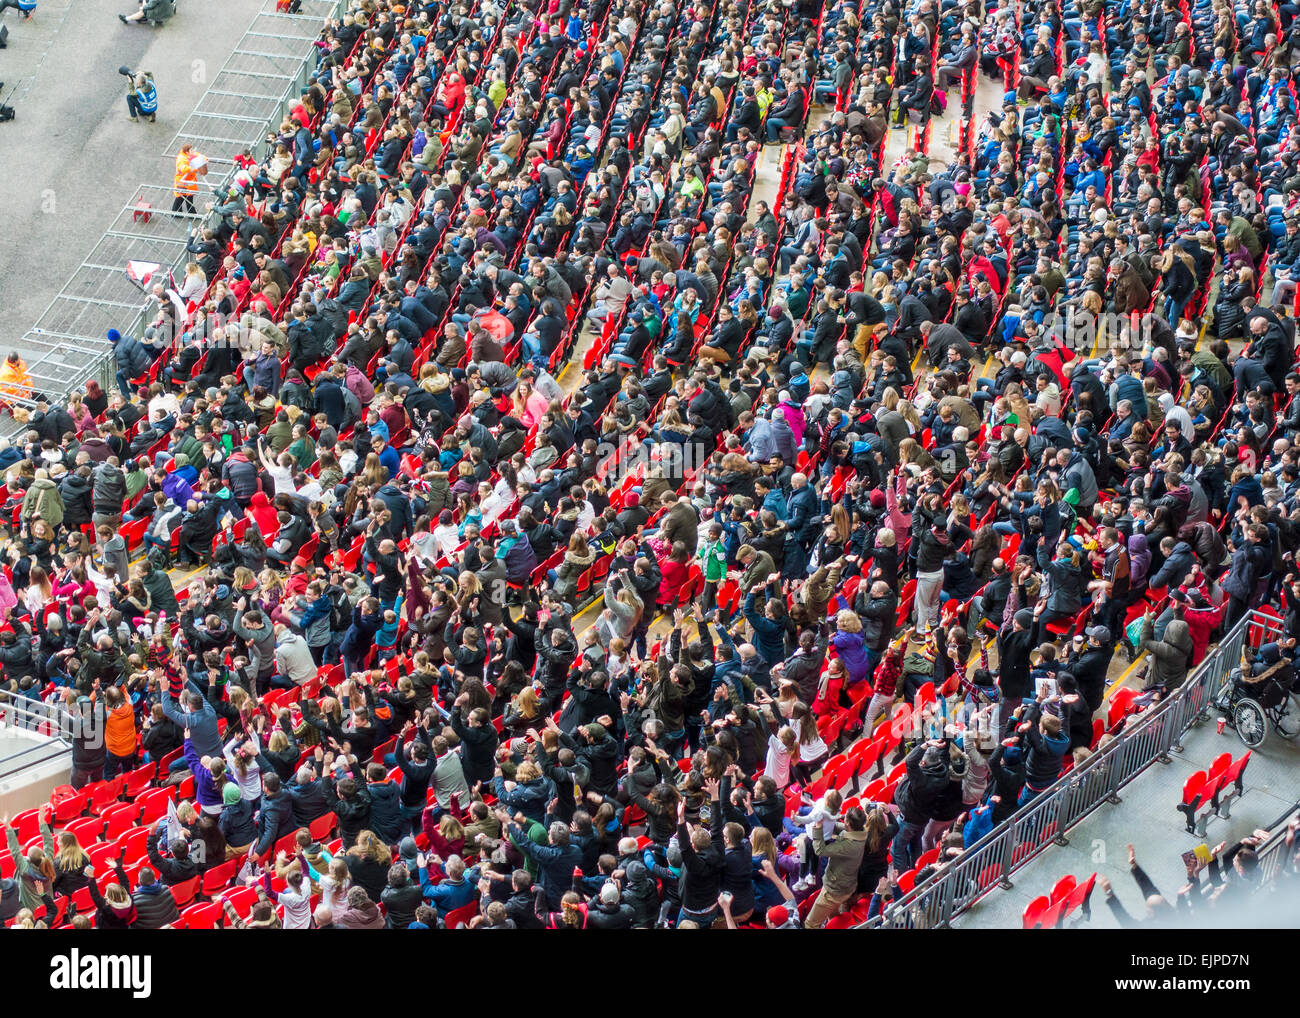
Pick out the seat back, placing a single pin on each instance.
(185, 891)
(1032, 917)
(203, 916)
(1062, 888)
(1193, 788)
(459, 917)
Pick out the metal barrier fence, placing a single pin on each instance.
(247, 99)
(1045, 821)
(1272, 853)
(49, 722)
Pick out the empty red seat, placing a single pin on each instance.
(459, 917)
(133, 842)
(185, 891)
(321, 826)
(1036, 914)
(86, 829)
(1062, 888)
(217, 878)
(1121, 704)
(138, 780)
(119, 819)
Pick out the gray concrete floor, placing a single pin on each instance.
(1147, 818)
(72, 158)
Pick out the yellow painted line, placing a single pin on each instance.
(1125, 676)
(591, 607)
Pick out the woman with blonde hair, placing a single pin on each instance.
(813, 751)
(572, 914)
(368, 862)
(270, 594)
(910, 415)
(69, 861)
(447, 836)
(34, 870)
(194, 284)
(910, 451)
(114, 909)
(522, 713)
(334, 883)
(374, 474)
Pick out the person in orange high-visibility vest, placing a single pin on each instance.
(189, 165)
(14, 379)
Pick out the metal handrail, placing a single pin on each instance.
(102, 368)
(1044, 821)
(49, 722)
(1272, 853)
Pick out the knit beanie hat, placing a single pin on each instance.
(230, 794)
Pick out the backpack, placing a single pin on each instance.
(340, 611)
(938, 101)
(160, 558)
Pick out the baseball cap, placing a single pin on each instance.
(1099, 633)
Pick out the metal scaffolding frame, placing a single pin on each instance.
(247, 99)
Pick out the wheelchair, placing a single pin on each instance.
(1251, 708)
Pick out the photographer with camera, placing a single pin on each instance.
(141, 95)
(156, 12)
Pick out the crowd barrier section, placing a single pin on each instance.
(247, 98)
(1047, 819)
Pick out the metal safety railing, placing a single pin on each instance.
(1046, 820)
(247, 99)
(1272, 854)
(49, 726)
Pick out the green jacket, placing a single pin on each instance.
(43, 500)
(538, 836)
(1211, 365)
(714, 554)
(844, 852)
(32, 886)
(757, 572)
(279, 435)
(136, 481)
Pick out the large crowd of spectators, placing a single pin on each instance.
(569, 514)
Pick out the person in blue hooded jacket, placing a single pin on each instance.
(131, 358)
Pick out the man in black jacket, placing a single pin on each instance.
(307, 796)
(1090, 666)
(703, 860)
(558, 649)
(1017, 637)
(918, 796)
(275, 818)
(179, 867)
